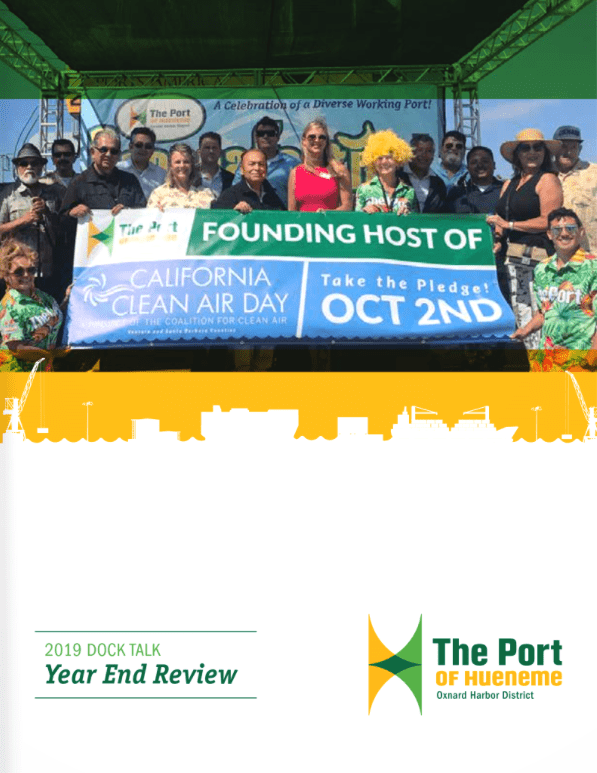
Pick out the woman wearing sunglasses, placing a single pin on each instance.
(320, 183)
(521, 220)
(29, 318)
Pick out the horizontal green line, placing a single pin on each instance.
(147, 698)
(145, 631)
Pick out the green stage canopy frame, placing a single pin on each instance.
(535, 19)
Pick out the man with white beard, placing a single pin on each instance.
(29, 213)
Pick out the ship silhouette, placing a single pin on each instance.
(478, 429)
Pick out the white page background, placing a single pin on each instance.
(300, 541)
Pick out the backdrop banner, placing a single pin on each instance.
(186, 276)
(352, 114)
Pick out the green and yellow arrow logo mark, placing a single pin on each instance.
(104, 237)
(405, 664)
(140, 117)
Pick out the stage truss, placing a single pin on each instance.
(535, 19)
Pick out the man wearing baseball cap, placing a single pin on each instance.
(579, 182)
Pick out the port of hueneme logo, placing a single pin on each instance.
(105, 237)
(406, 664)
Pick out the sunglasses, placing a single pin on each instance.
(266, 133)
(313, 137)
(66, 154)
(453, 145)
(22, 271)
(557, 229)
(30, 162)
(112, 151)
(525, 147)
(144, 145)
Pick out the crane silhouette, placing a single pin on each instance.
(14, 407)
(589, 413)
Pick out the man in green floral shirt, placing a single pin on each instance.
(565, 289)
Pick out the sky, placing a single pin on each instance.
(501, 120)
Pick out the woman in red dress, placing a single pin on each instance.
(320, 183)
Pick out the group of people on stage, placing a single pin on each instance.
(545, 215)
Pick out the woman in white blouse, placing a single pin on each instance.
(183, 183)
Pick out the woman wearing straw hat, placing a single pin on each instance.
(521, 219)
